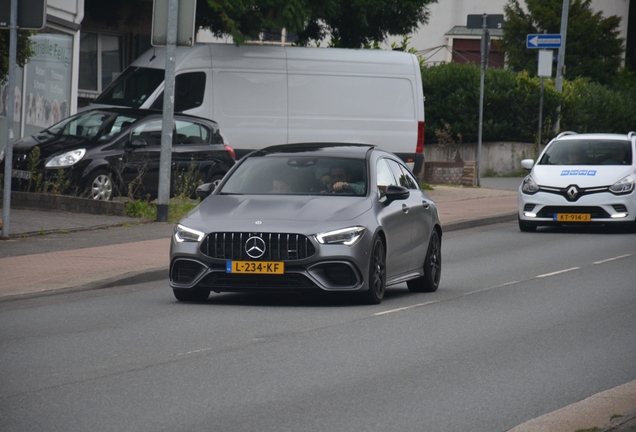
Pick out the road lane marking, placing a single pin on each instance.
(558, 272)
(442, 300)
(613, 259)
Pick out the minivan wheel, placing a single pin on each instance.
(191, 295)
(377, 273)
(99, 186)
(432, 267)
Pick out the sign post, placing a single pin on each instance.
(172, 25)
(545, 70)
(33, 17)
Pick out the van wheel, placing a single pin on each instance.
(432, 267)
(99, 186)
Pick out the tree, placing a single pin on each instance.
(24, 51)
(593, 46)
(351, 24)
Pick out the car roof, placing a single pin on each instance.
(595, 136)
(348, 150)
(143, 112)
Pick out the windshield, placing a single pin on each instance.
(588, 152)
(132, 88)
(94, 125)
(297, 175)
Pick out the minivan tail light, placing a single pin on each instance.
(420, 138)
(231, 151)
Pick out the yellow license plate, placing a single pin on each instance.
(573, 217)
(255, 267)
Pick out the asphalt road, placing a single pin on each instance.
(523, 324)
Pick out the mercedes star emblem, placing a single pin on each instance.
(255, 247)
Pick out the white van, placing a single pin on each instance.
(265, 95)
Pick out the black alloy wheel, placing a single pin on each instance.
(377, 273)
(432, 267)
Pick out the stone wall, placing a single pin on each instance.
(496, 157)
(443, 172)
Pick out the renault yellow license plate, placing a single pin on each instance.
(572, 217)
(255, 267)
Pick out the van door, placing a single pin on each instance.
(189, 94)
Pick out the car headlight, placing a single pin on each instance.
(66, 159)
(345, 236)
(623, 186)
(185, 234)
(529, 186)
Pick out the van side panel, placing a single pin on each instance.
(250, 96)
(353, 96)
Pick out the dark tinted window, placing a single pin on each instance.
(189, 91)
(188, 133)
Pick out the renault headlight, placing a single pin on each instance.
(345, 236)
(529, 186)
(67, 159)
(185, 234)
(623, 186)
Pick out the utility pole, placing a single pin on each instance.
(561, 58)
(485, 50)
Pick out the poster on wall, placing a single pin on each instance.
(47, 86)
(43, 99)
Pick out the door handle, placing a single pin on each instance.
(405, 208)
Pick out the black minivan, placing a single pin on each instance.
(106, 152)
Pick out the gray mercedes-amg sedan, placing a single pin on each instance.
(300, 217)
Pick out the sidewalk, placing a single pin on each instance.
(51, 251)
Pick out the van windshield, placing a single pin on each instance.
(132, 88)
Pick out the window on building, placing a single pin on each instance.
(101, 60)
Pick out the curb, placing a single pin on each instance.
(473, 223)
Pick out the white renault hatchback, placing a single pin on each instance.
(580, 179)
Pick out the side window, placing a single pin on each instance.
(405, 178)
(188, 92)
(188, 132)
(149, 132)
(384, 176)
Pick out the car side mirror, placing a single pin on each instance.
(205, 190)
(137, 143)
(394, 193)
(527, 164)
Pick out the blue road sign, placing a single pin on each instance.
(543, 41)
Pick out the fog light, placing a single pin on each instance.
(619, 215)
(530, 214)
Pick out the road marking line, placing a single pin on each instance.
(558, 272)
(442, 300)
(613, 259)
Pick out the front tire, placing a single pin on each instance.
(99, 186)
(526, 226)
(377, 273)
(191, 295)
(432, 267)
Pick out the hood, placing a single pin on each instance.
(50, 144)
(225, 212)
(582, 175)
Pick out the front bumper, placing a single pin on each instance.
(604, 208)
(331, 268)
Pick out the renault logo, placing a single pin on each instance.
(255, 247)
(572, 192)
